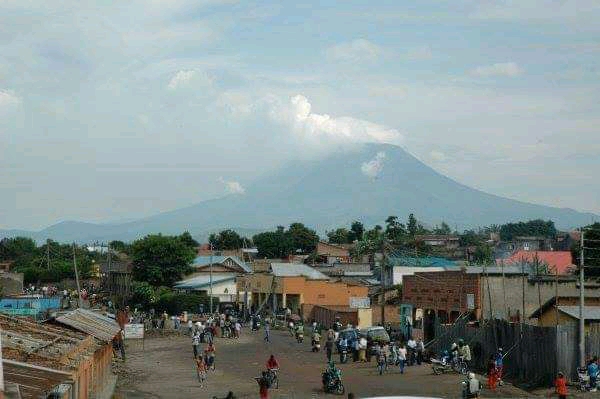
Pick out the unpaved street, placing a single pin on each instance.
(165, 369)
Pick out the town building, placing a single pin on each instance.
(216, 274)
(332, 253)
(444, 241)
(296, 286)
(561, 310)
(68, 358)
(560, 262)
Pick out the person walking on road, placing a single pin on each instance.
(238, 329)
(267, 332)
(329, 344)
(420, 351)
(401, 358)
(201, 370)
(560, 386)
(263, 385)
(196, 344)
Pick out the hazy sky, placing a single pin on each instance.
(115, 112)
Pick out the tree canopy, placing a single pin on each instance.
(536, 227)
(161, 260)
(228, 239)
(282, 243)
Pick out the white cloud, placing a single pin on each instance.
(315, 128)
(421, 53)
(509, 69)
(437, 156)
(374, 167)
(185, 78)
(358, 50)
(8, 99)
(233, 187)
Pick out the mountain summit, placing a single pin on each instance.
(368, 182)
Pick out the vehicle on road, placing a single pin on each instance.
(374, 334)
(350, 334)
(332, 383)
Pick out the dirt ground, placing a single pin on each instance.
(165, 369)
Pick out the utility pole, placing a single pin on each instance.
(382, 278)
(77, 278)
(48, 253)
(523, 293)
(581, 307)
(211, 279)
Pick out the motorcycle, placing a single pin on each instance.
(343, 355)
(299, 337)
(444, 366)
(316, 346)
(332, 383)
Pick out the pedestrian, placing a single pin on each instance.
(401, 358)
(560, 386)
(210, 355)
(412, 350)
(263, 385)
(362, 349)
(592, 370)
(380, 359)
(238, 329)
(196, 344)
(329, 348)
(267, 331)
(200, 370)
(420, 351)
(355, 350)
(491, 370)
(190, 326)
(499, 365)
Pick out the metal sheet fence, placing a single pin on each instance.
(531, 355)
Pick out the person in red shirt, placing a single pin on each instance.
(272, 363)
(560, 385)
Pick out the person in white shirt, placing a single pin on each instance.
(238, 329)
(362, 349)
(401, 357)
(412, 350)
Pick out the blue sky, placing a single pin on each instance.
(115, 112)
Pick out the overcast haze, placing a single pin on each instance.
(115, 112)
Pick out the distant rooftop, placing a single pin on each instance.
(199, 282)
(424, 261)
(202, 261)
(296, 270)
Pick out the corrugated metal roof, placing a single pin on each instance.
(34, 381)
(202, 261)
(589, 312)
(424, 261)
(496, 270)
(198, 282)
(295, 270)
(561, 261)
(92, 323)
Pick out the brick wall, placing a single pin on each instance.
(442, 291)
(391, 312)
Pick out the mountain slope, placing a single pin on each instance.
(331, 192)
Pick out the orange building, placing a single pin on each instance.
(297, 287)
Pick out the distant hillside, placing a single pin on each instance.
(332, 192)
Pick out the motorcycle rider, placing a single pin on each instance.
(299, 330)
(464, 351)
(315, 339)
(272, 363)
(343, 345)
(331, 375)
(471, 387)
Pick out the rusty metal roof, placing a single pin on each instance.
(33, 381)
(92, 323)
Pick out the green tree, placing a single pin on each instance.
(537, 227)
(188, 240)
(273, 244)
(412, 226)
(339, 236)
(161, 260)
(483, 255)
(444, 229)
(303, 238)
(228, 239)
(357, 230)
(591, 257)
(469, 238)
(394, 230)
(119, 246)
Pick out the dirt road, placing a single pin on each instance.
(165, 369)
